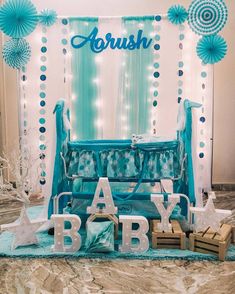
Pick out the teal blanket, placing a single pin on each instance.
(43, 249)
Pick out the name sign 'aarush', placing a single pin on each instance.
(98, 44)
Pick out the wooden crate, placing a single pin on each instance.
(175, 239)
(212, 242)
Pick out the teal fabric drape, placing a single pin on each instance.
(59, 183)
(84, 88)
(134, 81)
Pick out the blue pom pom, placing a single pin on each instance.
(16, 53)
(177, 14)
(47, 17)
(18, 18)
(211, 49)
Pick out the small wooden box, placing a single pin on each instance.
(175, 239)
(212, 242)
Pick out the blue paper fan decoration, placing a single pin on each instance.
(18, 18)
(211, 49)
(177, 14)
(207, 17)
(47, 17)
(16, 53)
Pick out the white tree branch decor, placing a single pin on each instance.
(19, 166)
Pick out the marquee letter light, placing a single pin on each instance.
(128, 233)
(61, 232)
(165, 213)
(107, 199)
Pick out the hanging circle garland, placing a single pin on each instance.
(16, 53)
(47, 17)
(211, 49)
(207, 17)
(177, 14)
(18, 18)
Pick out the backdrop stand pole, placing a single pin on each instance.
(212, 134)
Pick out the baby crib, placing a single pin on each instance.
(79, 165)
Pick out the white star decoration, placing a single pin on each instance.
(24, 230)
(208, 216)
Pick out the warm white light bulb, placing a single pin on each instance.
(96, 81)
(98, 103)
(99, 123)
(98, 59)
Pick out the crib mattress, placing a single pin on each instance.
(120, 159)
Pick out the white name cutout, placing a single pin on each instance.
(61, 232)
(158, 200)
(107, 199)
(128, 233)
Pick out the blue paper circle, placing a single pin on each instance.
(43, 77)
(180, 73)
(42, 111)
(64, 42)
(42, 181)
(157, 37)
(158, 17)
(42, 147)
(155, 103)
(202, 144)
(44, 49)
(157, 47)
(42, 121)
(43, 68)
(42, 103)
(42, 130)
(201, 155)
(64, 21)
(202, 119)
(156, 74)
(42, 95)
(44, 40)
(181, 64)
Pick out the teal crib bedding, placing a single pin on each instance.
(119, 159)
